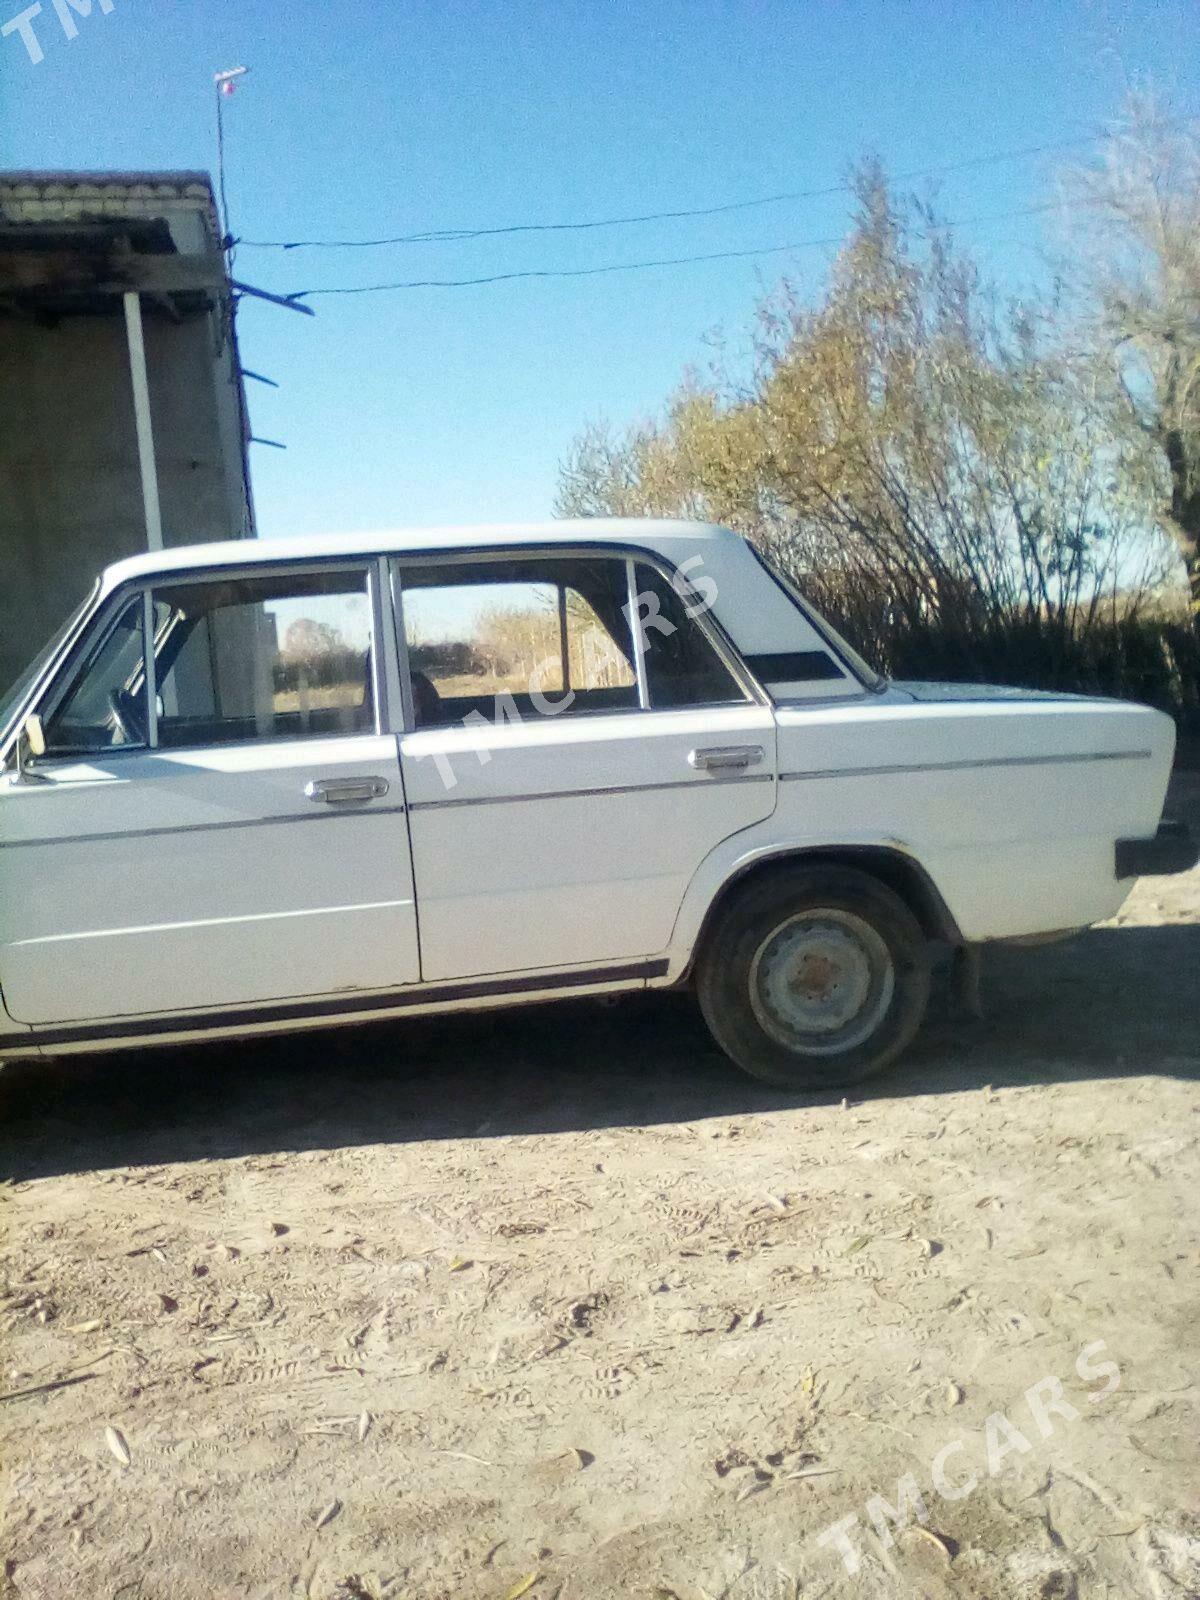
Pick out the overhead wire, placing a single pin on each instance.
(638, 266)
(458, 235)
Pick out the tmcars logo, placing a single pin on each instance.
(644, 614)
(25, 24)
(1001, 1439)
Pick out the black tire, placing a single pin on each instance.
(802, 945)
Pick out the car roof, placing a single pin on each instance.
(655, 533)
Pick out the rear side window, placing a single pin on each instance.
(246, 658)
(682, 666)
(542, 636)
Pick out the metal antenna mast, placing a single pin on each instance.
(225, 84)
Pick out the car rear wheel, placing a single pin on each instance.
(814, 977)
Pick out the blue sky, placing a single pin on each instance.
(365, 118)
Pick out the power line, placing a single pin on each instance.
(638, 266)
(456, 235)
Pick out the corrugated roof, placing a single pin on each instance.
(174, 182)
(185, 199)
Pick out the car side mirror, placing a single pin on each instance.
(31, 743)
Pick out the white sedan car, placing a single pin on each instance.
(276, 785)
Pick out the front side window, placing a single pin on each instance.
(234, 659)
(244, 658)
(537, 636)
(105, 708)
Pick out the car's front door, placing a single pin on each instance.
(566, 770)
(217, 822)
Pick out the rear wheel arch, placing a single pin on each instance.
(894, 868)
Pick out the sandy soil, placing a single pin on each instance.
(559, 1304)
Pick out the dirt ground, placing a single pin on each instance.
(558, 1303)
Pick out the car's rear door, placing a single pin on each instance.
(567, 772)
(221, 825)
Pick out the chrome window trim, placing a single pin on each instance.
(708, 623)
(61, 684)
(637, 636)
(149, 665)
(408, 717)
(710, 626)
(233, 571)
(379, 680)
(387, 653)
(46, 693)
(364, 567)
(56, 683)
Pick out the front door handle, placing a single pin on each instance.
(345, 791)
(726, 758)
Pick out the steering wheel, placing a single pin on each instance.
(126, 713)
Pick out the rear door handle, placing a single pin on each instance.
(345, 791)
(726, 758)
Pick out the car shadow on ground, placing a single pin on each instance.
(1111, 1002)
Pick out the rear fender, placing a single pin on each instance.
(726, 870)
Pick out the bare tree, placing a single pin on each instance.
(1136, 215)
(926, 457)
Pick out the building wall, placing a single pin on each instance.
(70, 488)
